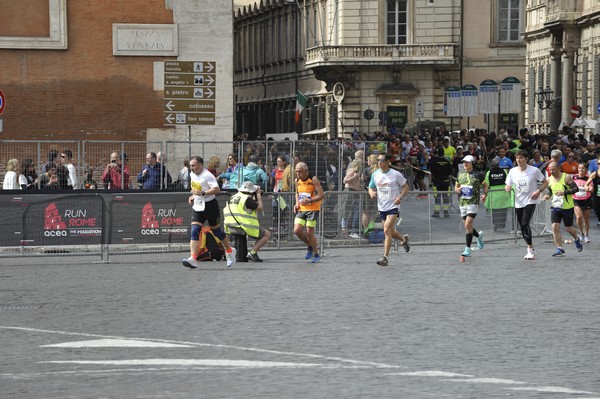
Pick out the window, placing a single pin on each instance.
(509, 20)
(396, 27)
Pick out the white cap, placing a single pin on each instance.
(459, 146)
(248, 187)
(469, 158)
(422, 143)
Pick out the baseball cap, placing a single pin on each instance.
(248, 187)
(469, 158)
(422, 143)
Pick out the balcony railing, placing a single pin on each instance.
(365, 55)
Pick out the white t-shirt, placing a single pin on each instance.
(11, 181)
(524, 183)
(72, 176)
(388, 186)
(204, 182)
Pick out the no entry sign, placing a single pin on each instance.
(575, 111)
(2, 102)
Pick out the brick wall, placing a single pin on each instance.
(84, 92)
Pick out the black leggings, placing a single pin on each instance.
(524, 216)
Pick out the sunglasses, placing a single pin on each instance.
(63, 156)
(381, 160)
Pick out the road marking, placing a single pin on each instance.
(191, 362)
(489, 381)
(430, 373)
(550, 389)
(116, 343)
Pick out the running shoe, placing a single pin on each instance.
(467, 252)
(383, 261)
(580, 237)
(480, 240)
(405, 243)
(190, 262)
(559, 252)
(253, 257)
(530, 254)
(354, 235)
(231, 257)
(578, 245)
(586, 238)
(316, 258)
(309, 253)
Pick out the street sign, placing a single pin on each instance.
(419, 108)
(2, 102)
(189, 94)
(369, 114)
(576, 111)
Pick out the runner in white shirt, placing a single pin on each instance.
(205, 208)
(389, 187)
(524, 179)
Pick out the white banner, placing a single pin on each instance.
(510, 98)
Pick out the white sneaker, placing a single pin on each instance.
(231, 257)
(354, 235)
(586, 238)
(530, 254)
(190, 262)
(580, 237)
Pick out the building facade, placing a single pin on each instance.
(94, 70)
(563, 55)
(370, 65)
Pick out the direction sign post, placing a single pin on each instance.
(190, 91)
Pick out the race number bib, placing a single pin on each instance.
(581, 193)
(198, 203)
(466, 192)
(302, 196)
(523, 186)
(557, 201)
(383, 193)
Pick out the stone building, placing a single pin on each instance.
(88, 69)
(348, 57)
(563, 55)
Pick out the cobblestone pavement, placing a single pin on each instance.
(427, 326)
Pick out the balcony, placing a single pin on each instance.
(381, 55)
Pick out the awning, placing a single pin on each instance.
(316, 131)
(584, 123)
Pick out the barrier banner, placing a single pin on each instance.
(51, 219)
(141, 219)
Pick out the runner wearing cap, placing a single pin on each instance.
(240, 217)
(468, 186)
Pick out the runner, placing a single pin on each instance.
(583, 203)
(389, 187)
(309, 194)
(524, 179)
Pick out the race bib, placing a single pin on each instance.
(383, 193)
(581, 193)
(198, 203)
(302, 196)
(523, 186)
(557, 201)
(466, 192)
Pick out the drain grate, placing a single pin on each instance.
(22, 307)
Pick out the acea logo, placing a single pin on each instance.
(164, 221)
(73, 222)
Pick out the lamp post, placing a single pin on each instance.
(545, 98)
(296, 47)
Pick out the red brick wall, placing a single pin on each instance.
(84, 92)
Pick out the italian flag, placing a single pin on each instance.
(300, 104)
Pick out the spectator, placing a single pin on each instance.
(184, 176)
(52, 159)
(49, 180)
(504, 161)
(116, 174)
(213, 163)
(66, 159)
(11, 178)
(231, 175)
(254, 172)
(28, 175)
(153, 174)
(89, 183)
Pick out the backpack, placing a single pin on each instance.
(376, 236)
(210, 246)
